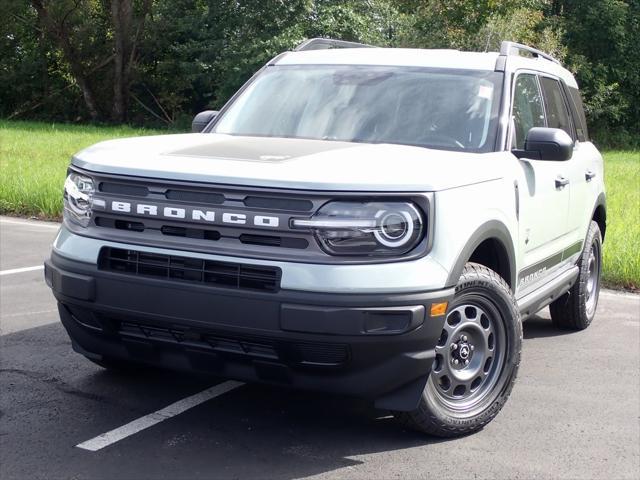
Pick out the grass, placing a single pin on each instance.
(34, 157)
(622, 241)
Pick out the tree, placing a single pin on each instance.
(151, 61)
(602, 38)
(127, 29)
(60, 22)
(92, 35)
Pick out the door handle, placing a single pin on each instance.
(561, 182)
(589, 175)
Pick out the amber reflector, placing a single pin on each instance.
(438, 309)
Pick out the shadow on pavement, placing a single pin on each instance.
(538, 327)
(52, 399)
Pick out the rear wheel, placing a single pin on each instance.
(575, 309)
(477, 358)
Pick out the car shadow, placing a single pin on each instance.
(541, 327)
(55, 398)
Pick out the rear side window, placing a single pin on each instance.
(528, 110)
(556, 107)
(579, 118)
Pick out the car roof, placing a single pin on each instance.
(406, 57)
(413, 57)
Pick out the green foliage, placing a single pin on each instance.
(29, 68)
(34, 157)
(193, 54)
(602, 39)
(622, 243)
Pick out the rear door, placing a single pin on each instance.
(585, 169)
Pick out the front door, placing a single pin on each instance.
(544, 189)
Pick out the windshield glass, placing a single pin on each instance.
(443, 109)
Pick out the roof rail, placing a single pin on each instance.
(326, 43)
(512, 48)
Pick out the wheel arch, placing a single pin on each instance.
(599, 214)
(492, 246)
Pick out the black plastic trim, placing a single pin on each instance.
(601, 201)
(551, 290)
(489, 230)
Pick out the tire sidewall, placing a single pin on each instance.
(594, 237)
(492, 289)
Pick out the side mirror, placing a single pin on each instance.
(546, 144)
(202, 119)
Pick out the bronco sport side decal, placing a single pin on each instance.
(539, 269)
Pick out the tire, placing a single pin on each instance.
(483, 322)
(575, 309)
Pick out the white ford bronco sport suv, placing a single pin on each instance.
(368, 221)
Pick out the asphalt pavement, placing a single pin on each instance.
(574, 412)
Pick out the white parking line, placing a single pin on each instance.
(26, 314)
(21, 270)
(26, 223)
(152, 419)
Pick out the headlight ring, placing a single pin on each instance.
(360, 228)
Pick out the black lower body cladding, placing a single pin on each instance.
(375, 346)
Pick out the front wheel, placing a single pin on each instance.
(477, 358)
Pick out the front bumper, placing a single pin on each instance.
(376, 346)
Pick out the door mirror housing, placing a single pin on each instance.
(201, 120)
(544, 143)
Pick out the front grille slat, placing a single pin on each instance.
(142, 227)
(187, 269)
(123, 189)
(195, 196)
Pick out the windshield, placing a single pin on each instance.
(443, 109)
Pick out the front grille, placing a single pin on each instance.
(204, 197)
(232, 221)
(187, 269)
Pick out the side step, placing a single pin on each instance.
(543, 296)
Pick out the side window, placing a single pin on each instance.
(556, 107)
(528, 110)
(580, 120)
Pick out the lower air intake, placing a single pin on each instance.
(187, 269)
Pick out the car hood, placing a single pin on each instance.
(288, 163)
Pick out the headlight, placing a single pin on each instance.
(365, 228)
(78, 199)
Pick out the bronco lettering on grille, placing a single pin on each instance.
(213, 216)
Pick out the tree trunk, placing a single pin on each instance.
(125, 43)
(121, 15)
(88, 96)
